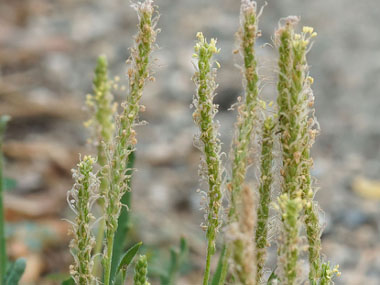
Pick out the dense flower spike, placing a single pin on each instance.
(81, 198)
(265, 194)
(203, 116)
(288, 251)
(241, 234)
(102, 125)
(298, 131)
(101, 103)
(247, 116)
(247, 110)
(125, 140)
(141, 271)
(327, 273)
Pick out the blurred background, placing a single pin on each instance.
(48, 51)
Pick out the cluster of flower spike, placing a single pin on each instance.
(247, 231)
(298, 130)
(115, 138)
(81, 198)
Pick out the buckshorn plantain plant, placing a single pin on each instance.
(105, 182)
(107, 179)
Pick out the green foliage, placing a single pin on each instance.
(273, 278)
(126, 260)
(9, 184)
(221, 270)
(15, 272)
(69, 281)
(3, 252)
(177, 258)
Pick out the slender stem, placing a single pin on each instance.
(3, 253)
(224, 272)
(107, 260)
(98, 247)
(123, 224)
(210, 250)
(103, 124)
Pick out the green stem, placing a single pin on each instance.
(210, 250)
(123, 224)
(226, 257)
(108, 260)
(3, 253)
(98, 247)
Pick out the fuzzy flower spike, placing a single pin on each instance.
(247, 110)
(101, 104)
(241, 234)
(81, 198)
(208, 140)
(289, 240)
(141, 271)
(298, 129)
(125, 140)
(244, 130)
(261, 234)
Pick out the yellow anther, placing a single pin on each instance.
(307, 30)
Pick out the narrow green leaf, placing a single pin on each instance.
(119, 278)
(3, 252)
(177, 258)
(16, 271)
(69, 281)
(183, 246)
(218, 272)
(9, 183)
(273, 278)
(128, 257)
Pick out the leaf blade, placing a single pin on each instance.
(16, 272)
(128, 257)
